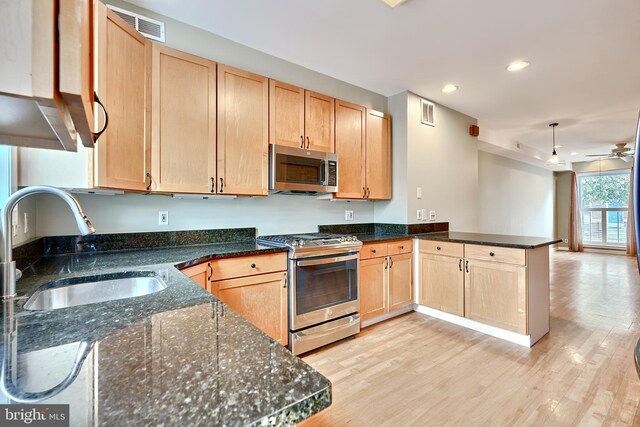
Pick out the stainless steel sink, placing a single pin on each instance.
(94, 289)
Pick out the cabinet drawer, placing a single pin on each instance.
(495, 253)
(442, 248)
(373, 250)
(229, 268)
(400, 247)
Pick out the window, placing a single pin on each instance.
(604, 205)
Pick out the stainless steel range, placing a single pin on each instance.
(324, 287)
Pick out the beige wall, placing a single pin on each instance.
(514, 197)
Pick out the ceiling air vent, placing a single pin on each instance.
(427, 108)
(150, 28)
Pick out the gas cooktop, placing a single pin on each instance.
(309, 240)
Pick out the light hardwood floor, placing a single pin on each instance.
(417, 370)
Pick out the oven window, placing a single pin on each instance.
(325, 285)
(298, 170)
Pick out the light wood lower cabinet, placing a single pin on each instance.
(496, 294)
(261, 299)
(254, 286)
(373, 298)
(385, 280)
(442, 283)
(200, 273)
(507, 288)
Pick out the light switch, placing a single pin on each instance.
(419, 215)
(432, 215)
(424, 214)
(419, 193)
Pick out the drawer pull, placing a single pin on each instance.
(253, 266)
(373, 251)
(438, 248)
(401, 247)
(492, 254)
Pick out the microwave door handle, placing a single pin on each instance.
(323, 172)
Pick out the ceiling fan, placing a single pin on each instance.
(620, 152)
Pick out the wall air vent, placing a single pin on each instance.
(427, 109)
(150, 28)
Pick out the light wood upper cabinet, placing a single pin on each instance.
(243, 132)
(286, 114)
(46, 74)
(183, 120)
(124, 57)
(262, 300)
(350, 148)
(496, 294)
(319, 122)
(378, 156)
(300, 118)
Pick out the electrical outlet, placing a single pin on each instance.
(419, 215)
(26, 222)
(348, 215)
(163, 217)
(424, 214)
(566, 240)
(432, 215)
(419, 193)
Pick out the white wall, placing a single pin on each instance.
(443, 160)
(514, 197)
(134, 212)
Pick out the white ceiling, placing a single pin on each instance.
(584, 54)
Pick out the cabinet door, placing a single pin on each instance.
(286, 114)
(319, 122)
(400, 284)
(243, 132)
(123, 151)
(496, 294)
(442, 283)
(201, 274)
(183, 122)
(261, 299)
(373, 295)
(378, 156)
(350, 137)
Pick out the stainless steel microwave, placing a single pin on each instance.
(295, 170)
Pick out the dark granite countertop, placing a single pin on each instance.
(508, 241)
(378, 237)
(176, 357)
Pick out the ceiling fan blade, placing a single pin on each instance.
(598, 155)
(627, 158)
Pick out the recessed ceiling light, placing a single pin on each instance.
(394, 3)
(558, 146)
(449, 88)
(574, 153)
(517, 66)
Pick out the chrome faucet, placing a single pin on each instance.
(7, 265)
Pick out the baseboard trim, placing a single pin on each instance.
(386, 316)
(523, 340)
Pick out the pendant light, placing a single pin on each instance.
(555, 159)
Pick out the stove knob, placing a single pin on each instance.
(343, 239)
(294, 243)
(352, 238)
(301, 243)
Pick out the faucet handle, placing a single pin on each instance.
(18, 274)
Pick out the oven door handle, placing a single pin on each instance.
(320, 261)
(299, 336)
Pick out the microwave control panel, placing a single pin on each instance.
(333, 173)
